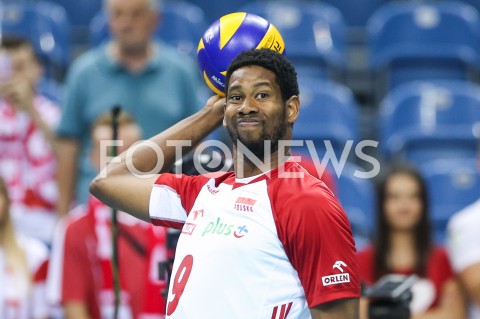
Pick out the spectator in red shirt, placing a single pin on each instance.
(403, 245)
(80, 277)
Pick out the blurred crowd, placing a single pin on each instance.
(55, 238)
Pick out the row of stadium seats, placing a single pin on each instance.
(407, 40)
(356, 12)
(417, 121)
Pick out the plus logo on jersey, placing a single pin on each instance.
(220, 228)
(244, 204)
(337, 278)
(240, 232)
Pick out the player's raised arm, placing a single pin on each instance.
(119, 184)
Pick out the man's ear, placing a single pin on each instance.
(224, 109)
(293, 109)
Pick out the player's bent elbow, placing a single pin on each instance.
(98, 186)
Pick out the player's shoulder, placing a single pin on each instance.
(295, 182)
(299, 194)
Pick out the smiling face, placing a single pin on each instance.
(255, 111)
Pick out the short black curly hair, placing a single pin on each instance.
(285, 73)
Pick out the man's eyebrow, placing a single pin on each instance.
(235, 87)
(263, 83)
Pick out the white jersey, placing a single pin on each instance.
(271, 247)
(463, 242)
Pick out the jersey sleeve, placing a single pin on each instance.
(318, 241)
(172, 198)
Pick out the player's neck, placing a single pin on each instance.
(247, 166)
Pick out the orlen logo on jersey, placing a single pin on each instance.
(219, 228)
(338, 278)
(244, 204)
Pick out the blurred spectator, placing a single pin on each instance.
(23, 269)
(464, 248)
(80, 274)
(151, 81)
(27, 159)
(404, 246)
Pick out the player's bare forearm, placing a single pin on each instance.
(120, 187)
(338, 309)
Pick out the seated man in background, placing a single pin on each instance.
(27, 159)
(156, 84)
(80, 274)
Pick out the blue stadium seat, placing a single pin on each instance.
(314, 33)
(357, 196)
(424, 40)
(80, 13)
(181, 26)
(473, 3)
(45, 24)
(422, 121)
(214, 9)
(356, 12)
(452, 185)
(328, 111)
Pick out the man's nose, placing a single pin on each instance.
(248, 107)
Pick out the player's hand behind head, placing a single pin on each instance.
(217, 104)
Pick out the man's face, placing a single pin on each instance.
(132, 23)
(255, 111)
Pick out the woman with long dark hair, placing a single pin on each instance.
(403, 245)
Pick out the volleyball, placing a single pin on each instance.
(229, 36)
